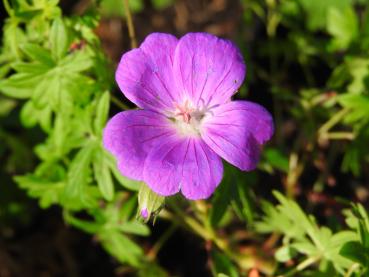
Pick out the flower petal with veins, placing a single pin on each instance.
(188, 122)
(185, 164)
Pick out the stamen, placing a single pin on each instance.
(184, 111)
(188, 119)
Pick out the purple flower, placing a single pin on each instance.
(187, 121)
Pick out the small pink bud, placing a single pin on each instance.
(144, 213)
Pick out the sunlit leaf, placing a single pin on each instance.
(58, 39)
(103, 174)
(39, 54)
(102, 111)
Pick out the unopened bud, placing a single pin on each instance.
(149, 203)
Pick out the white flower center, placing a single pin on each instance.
(188, 119)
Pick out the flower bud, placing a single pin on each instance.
(149, 203)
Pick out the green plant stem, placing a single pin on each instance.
(8, 7)
(301, 266)
(162, 240)
(296, 167)
(131, 29)
(352, 269)
(192, 223)
(308, 262)
(339, 135)
(119, 103)
(332, 122)
(244, 261)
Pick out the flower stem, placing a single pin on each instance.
(192, 223)
(119, 103)
(331, 122)
(339, 135)
(8, 8)
(301, 266)
(131, 29)
(352, 269)
(162, 240)
(208, 234)
(308, 262)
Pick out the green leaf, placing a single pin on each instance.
(242, 198)
(32, 68)
(285, 253)
(292, 210)
(356, 252)
(359, 71)
(46, 191)
(59, 136)
(223, 265)
(29, 117)
(20, 86)
(358, 105)
(242, 202)
(304, 235)
(28, 15)
(53, 91)
(39, 54)
(102, 174)
(124, 181)
(116, 7)
(221, 200)
(76, 62)
(6, 106)
(151, 269)
(134, 227)
(13, 37)
(276, 220)
(129, 209)
(86, 226)
(59, 98)
(343, 25)
(121, 247)
(363, 223)
(161, 4)
(339, 77)
(305, 247)
(58, 39)
(78, 177)
(102, 112)
(317, 11)
(277, 159)
(351, 161)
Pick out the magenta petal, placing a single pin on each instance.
(209, 70)
(130, 135)
(145, 74)
(186, 164)
(236, 130)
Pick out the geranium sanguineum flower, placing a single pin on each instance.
(186, 122)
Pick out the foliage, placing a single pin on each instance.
(310, 62)
(302, 236)
(54, 67)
